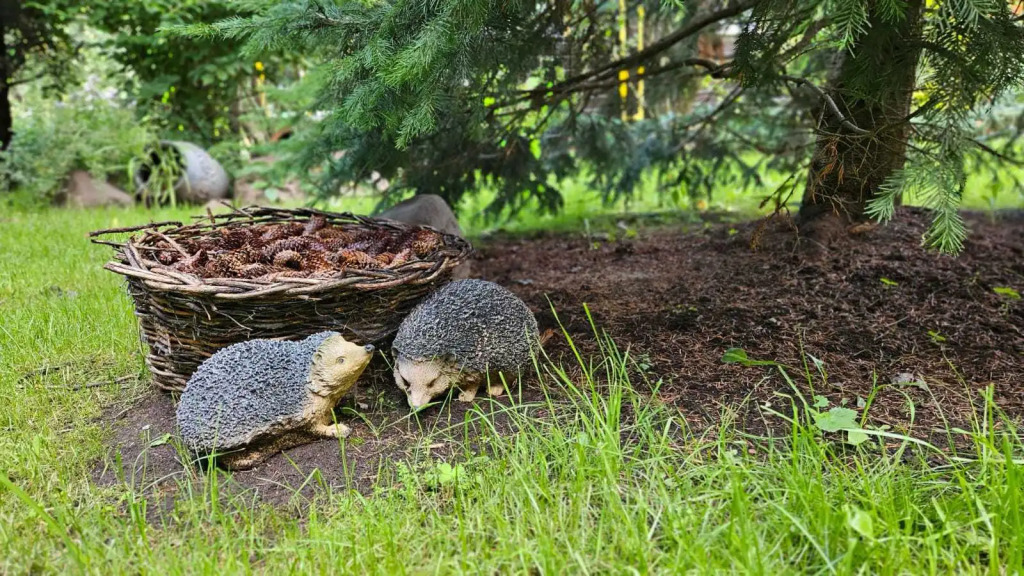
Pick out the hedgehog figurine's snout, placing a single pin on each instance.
(369, 348)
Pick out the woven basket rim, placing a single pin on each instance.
(159, 278)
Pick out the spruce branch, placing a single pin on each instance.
(843, 120)
(805, 40)
(690, 29)
(992, 151)
(556, 93)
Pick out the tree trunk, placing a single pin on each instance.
(873, 87)
(6, 121)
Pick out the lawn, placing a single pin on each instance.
(583, 204)
(593, 477)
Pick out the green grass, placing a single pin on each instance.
(583, 205)
(611, 483)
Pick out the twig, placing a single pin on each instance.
(726, 102)
(658, 47)
(98, 383)
(95, 233)
(45, 370)
(802, 43)
(846, 123)
(173, 244)
(997, 153)
(608, 81)
(26, 80)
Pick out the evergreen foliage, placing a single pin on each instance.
(446, 96)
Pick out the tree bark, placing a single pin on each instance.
(873, 87)
(6, 120)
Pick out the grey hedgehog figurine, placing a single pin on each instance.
(253, 399)
(459, 335)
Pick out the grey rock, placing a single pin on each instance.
(84, 191)
(203, 179)
(425, 210)
(429, 210)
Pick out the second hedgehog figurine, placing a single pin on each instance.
(253, 399)
(460, 334)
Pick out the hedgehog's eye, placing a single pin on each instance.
(341, 359)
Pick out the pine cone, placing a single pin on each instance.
(294, 244)
(401, 258)
(356, 259)
(278, 231)
(424, 242)
(316, 262)
(384, 258)
(363, 245)
(289, 258)
(383, 240)
(248, 254)
(335, 232)
(221, 267)
(255, 270)
(315, 223)
(234, 238)
(335, 244)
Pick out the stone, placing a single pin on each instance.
(84, 191)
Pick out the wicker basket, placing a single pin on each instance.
(184, 319)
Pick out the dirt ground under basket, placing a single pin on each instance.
(876, 309)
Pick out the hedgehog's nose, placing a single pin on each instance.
(369, 347)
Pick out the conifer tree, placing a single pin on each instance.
(862, 102)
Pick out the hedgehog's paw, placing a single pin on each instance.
(496, 390)
(333, 430)
(468, 392)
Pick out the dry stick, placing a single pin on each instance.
(829, 101)
(98, 383)
(95, 233)
(114, 244)
(45, 370)
(173, 244)
(179, 276)
(660, 46)
(986, 148)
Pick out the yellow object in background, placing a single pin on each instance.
(640, 13)
(624, 74)
(259, 83)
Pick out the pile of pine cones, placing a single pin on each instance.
(310, 250)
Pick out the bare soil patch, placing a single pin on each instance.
(872, 307)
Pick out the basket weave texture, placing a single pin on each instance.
(184, 318)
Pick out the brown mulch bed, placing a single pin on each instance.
(873, 308)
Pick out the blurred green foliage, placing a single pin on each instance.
(192, 87)
(93, 128)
